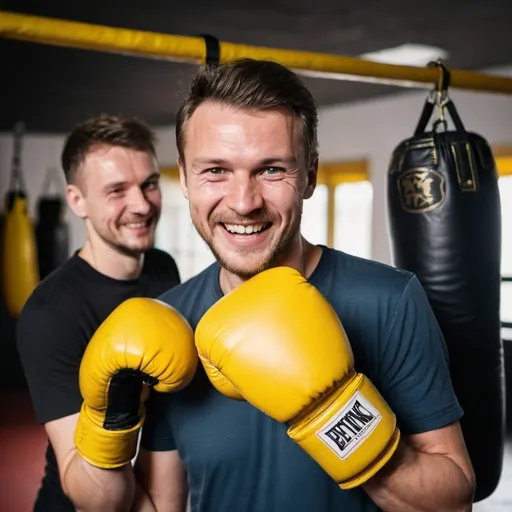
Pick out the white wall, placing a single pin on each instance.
(369, 129)
(39, 154)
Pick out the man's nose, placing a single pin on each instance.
(137, 202)
(244, 195)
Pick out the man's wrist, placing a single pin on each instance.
(404, 457)
(91, 488)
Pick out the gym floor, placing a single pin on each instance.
(23, 442)
(22, 447)
(501, 500)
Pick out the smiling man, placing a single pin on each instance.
(273, 352)
(113, 186)
(275, 358)
(245, 182)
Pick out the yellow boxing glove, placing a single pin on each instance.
(142, 342)
(277, 343)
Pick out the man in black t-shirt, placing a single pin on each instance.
(113, 185)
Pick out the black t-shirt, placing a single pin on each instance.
(53, 330)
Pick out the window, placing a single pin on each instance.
(504, 165)
(505, 185)
(338, 215)
(348, 195)
(177, 235)
(314, 225)
(353, 218)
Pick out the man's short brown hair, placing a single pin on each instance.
(104, 130)
(252, 84)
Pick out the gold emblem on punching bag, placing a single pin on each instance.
(421, 190)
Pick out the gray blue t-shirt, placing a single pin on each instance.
(240, 460)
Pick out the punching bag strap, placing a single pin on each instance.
(17, 182)
(459, 126)
(212, 50)
(439, 97)
(426, 114)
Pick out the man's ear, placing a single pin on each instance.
(311, 179)
(183, 177)
(76, 201)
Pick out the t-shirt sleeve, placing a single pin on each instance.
(175, 272)
(414, 375)
(50, 349)
(157, 433)
(165, 266)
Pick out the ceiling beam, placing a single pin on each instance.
(144, 44)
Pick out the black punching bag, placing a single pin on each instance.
(51, 235)
(445, 224)
(51, 231)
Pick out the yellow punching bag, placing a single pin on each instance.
(20, 272)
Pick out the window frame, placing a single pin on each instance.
(171, 175)
(503, 160)
(330, 174)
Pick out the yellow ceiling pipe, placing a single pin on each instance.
(74, 34)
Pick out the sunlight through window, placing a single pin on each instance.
(314, 216)
(353, 218)
(505, 185)
(177, 235)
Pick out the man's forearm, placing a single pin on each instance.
(92, 489)
(419, 482)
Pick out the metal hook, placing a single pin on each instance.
(443, 82)
(439, 94)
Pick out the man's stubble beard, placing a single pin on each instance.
(277, 254)
(133, 252)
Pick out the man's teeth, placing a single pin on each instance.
(244, 230)
(135, 225)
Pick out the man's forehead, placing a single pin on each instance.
(219, 112)
(104, 152)
(216, 123)
(115, 163)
